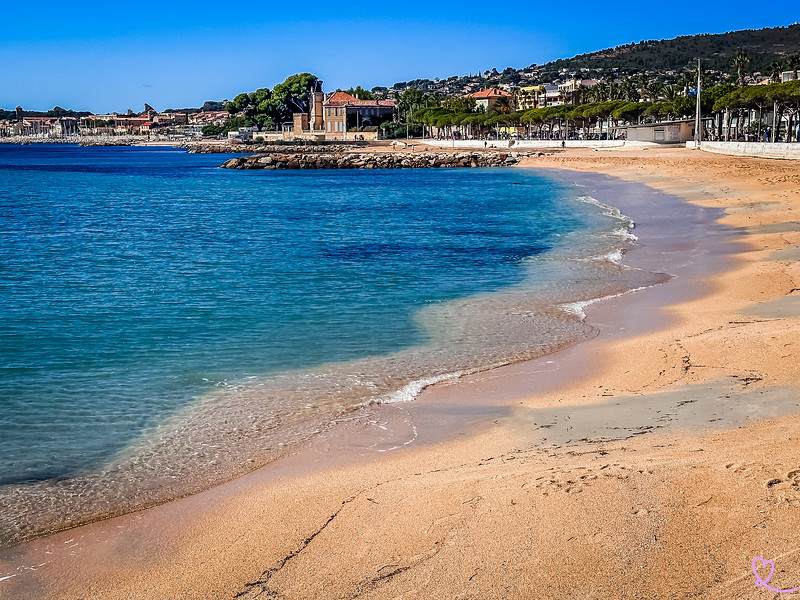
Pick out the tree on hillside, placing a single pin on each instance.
(380, 93)
(213, 105)
(360, 93)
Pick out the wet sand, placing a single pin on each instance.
(656, 460)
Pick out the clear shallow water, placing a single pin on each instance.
(168, 324)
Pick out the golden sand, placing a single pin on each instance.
(515, 510)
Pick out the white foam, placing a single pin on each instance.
(615, 256)
(609, 211)
(411, 390)
(577, 308)
(623, 233)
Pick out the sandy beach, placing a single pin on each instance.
(657, 460)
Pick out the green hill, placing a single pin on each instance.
(661, 59)
(716, 51)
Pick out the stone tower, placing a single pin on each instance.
(315, 107)
(19, 114)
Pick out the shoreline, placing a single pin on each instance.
(452, 473)
(126, 487)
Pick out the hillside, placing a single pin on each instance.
(662, 59)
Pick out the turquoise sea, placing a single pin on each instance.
(167, 324)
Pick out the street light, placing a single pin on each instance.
(698, 122)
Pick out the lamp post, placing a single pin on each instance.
(698, 122)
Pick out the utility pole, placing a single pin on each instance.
(698, 121)
(775, 123)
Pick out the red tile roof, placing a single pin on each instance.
(490, 93)
(345, 99)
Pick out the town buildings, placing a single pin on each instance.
(40, 127)
(148, 122)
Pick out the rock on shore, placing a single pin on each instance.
(377, 160)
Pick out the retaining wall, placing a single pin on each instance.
(757, 149)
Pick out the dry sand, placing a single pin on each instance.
(660, 470)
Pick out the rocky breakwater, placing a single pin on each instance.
(104, 141)
(378, 160)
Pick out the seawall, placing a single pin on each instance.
(789, 151)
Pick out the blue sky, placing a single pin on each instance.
(103, 57)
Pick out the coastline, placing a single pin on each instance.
(450, 519)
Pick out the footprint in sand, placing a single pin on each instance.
(786, 491)
(794, 477)
(741, 468)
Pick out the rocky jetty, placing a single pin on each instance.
(105, 141)
(377, 160)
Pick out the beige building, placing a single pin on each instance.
(528, 97)
(570, 88)
(673, 132)
(343, 112)
(488, 98)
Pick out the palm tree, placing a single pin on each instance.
(775, 70)
(793, 63)
(740, 63)
(655, 91)
(671, 93)
(614, 90)
(502, 106)
(600, 91)
(629, 90)
(643, 81)
(580, 95)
